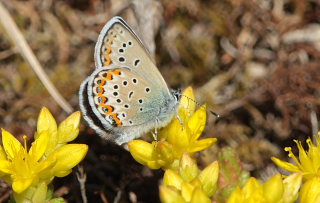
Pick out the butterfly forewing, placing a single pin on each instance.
(118, 44)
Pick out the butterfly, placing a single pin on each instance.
(126, 95)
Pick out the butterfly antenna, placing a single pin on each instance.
(212, 112)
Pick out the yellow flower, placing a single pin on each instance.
(292, 185)
(188, 184)
(308, 162)
(184, 136)
(23, 166)
(310, 191)
(180, 136)
(49, 155)
(274, 190)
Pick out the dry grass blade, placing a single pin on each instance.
(25, 50)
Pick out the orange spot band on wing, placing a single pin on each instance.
(111, 73)
(115, 117)
(106, 54)
(105, 99)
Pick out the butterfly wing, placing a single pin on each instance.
(126, 95)
(122, 104)
(118, 44)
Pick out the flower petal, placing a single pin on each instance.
(187, 105)
(69, 156)
(209, 177)
(285, 165)
(273, 188)
(201, 144)
(292, 185)
(313, 153)
(236, 196)
(40, 193)
(5, 167)
(142, 151)
(10, 144)
(38, 147)
(69, 128)
(310, 191)
(176, 134)
(46, 122)
(252, 187)
(305, 159)
(197, 123)
(21, 184)
(171, 178)
(3, 155)
(199, 195)
(188, 168)
(186, 191)
(170, 195)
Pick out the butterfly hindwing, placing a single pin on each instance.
(123, 98)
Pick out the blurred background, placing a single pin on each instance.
(254, 62)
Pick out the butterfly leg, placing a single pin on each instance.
(179, 119)
(155, 134)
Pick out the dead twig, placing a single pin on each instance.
(82, 177)
(25, 50)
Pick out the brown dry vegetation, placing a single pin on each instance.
(255, 62)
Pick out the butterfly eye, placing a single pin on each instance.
(141, 109)
(147, 89)
(119, 100)
(125, 83)
(126, 106)
(130, 43)
(140, 101)
(115, 87)
(124, 45)
(115, 94)
(121, 50)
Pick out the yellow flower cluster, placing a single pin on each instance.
(310, 191)
(183, 182)
(188, 184)
(30, 171)
(174, 150)
(180, 136)
(302, 185)
(275, 190)
(308, 165)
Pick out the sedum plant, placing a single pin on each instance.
(180, 136)
(30, 171)
(223, 180)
